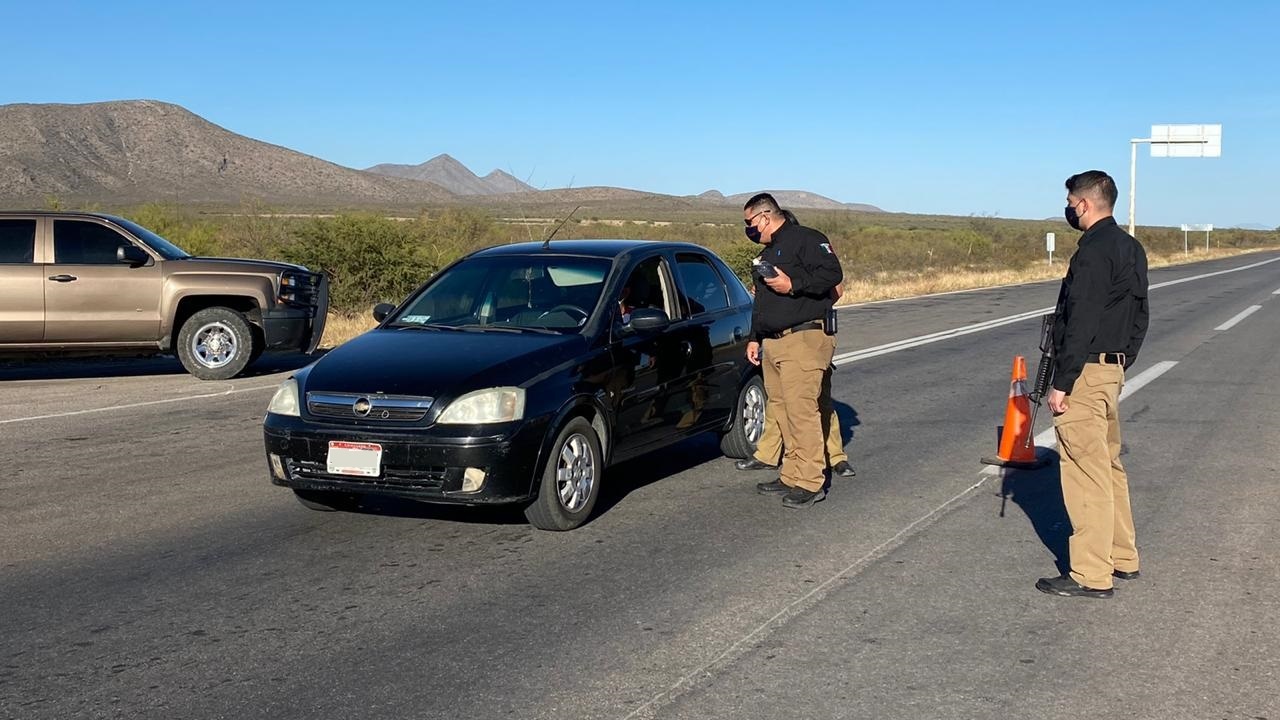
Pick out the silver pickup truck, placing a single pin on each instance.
(95, 283)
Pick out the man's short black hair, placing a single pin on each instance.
(1095, 183)
(762, 201)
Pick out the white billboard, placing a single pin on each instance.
(1186, 141)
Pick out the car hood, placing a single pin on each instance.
(437, 363)
(237, 265)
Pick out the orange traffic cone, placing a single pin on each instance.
(1015, 451)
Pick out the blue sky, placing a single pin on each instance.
(954, 108)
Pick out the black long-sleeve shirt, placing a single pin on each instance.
(805, 255)
(1102, 307)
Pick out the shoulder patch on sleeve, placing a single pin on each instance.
(826, 247)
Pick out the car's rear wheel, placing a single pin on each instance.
(570, 482)
(327, 500)
(216, 343)
(748, 421)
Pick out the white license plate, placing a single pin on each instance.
(353, 458)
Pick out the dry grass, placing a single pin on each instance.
(341, 327)
(885, 286)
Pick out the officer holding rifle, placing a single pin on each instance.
(1101, 322)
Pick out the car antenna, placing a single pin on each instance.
(547, 243)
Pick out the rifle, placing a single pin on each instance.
(1044, 372)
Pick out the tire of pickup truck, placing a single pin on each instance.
(216, 343)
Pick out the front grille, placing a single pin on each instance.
(374, 408)
(300, 288)
(431, 478)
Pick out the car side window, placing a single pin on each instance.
(645, 287)
(703, 290)
(77, 242)
(17, 242)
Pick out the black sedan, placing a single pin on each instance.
(517, 374)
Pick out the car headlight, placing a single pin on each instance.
(494, 405)
(285, 401)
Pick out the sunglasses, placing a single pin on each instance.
(749, 221)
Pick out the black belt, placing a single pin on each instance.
(1107, 358)
(810, 325)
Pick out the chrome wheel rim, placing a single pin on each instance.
(753, 414)
(214, 345)
(575, 473)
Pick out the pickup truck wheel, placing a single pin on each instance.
(571, 479)
(216, 344)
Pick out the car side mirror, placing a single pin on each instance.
(131, 255)
(648, 319)
(382, 310)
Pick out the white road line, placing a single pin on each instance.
(184, 398)
(792, 608)
(1236, 320)
(897, 345)
(935, 337)
(1277, 292)
(1049, 438)
(1212, 274)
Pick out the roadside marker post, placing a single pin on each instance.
(1206, 229)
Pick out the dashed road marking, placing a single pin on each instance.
(1241, 316)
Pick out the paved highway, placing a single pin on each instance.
(149, 570)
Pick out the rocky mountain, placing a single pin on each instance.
(143, 150)
(452, 175)
(136, 151)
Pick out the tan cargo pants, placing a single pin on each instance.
(769, 446)
(1095, 487)
(793, 367)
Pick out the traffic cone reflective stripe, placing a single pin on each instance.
(1015, 450)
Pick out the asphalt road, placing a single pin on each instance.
(149, 570)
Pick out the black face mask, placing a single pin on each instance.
(1073, 219)
(753, 233)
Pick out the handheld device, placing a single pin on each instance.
(765, 268)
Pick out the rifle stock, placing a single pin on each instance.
(1044, 371)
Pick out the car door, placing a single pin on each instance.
(648, 366)
(21, 282)
(90, 296)
(714, 330)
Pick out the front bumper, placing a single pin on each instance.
(294, 327)
(420, 464)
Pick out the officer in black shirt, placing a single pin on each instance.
(793, 285)
(1102, 321)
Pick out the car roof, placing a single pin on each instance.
(60, 213)
(600, 247)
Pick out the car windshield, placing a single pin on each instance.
(167, 250)
(521, 292)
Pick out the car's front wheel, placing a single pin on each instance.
(570, 481)
(216, 343)
(748, 421)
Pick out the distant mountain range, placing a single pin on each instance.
(134, 151)
(452, 175)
